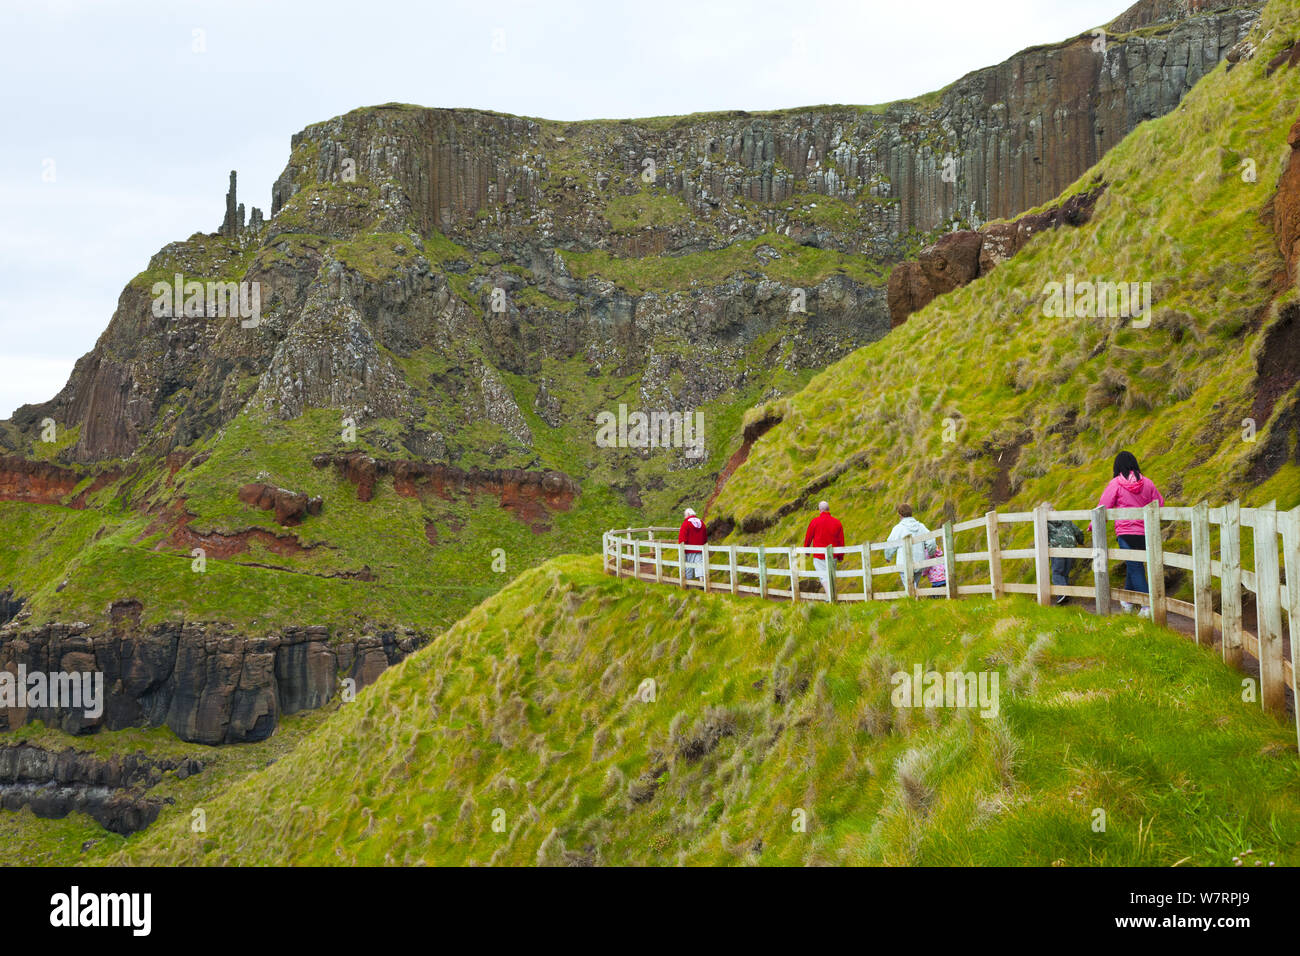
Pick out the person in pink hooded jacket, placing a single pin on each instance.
(1131, 489)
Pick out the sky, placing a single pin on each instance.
(122, 120)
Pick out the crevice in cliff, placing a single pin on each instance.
(752, 524)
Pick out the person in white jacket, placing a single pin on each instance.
(907, 525)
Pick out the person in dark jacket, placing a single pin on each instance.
(1062, 534)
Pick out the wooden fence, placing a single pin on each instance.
(775, 572)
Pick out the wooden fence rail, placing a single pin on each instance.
(851, 573)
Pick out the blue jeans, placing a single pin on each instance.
(1061, 568)
(1135, 578)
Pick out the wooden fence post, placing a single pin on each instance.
(762, 572)
(1155, 563)
(995, 554)
(659, 563)
(731, 568)
(1042, 563)
(618, 557)
(794, 577)
(867, 587)
(1291, 554)
(1268, 594)
(1100, 561)
(681, 565)
(830, 575)
(704, 568)
(1230, 581)
(1202, 579)
(909, 583)
(949, 559)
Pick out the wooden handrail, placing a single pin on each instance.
(626, 553)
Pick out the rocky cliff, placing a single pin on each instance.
(113, 790)
(553, 227)
(208, 684)
(1018, 133)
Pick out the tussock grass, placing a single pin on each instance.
(1051, 400)
(772, 739)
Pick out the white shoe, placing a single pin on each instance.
(1144, 612)
(1125, 607)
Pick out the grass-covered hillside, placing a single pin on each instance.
(980, 399)
(398, 559)
(526, 735)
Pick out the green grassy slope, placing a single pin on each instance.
(981, 382)
(526, 714)
(120, 546)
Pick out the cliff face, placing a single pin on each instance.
(522, 198)
(208, 684)
(1018, 134)
(114, 791)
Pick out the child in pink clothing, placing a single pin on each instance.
(1130, 489)
(935, 572)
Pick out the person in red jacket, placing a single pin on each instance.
(693, 531)
(824, 531)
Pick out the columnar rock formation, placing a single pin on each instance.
(526, 192)
(207, 683)
(232, 225)
(994, 143)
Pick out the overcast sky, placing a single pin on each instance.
(122, 120)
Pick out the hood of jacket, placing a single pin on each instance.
(1130, 482)
(910, 526)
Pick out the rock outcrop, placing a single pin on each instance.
(207, 683)
(43, 482)
(233, 224)
(531, 496)
(113, 791)
(962, 256)
(290, 507)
